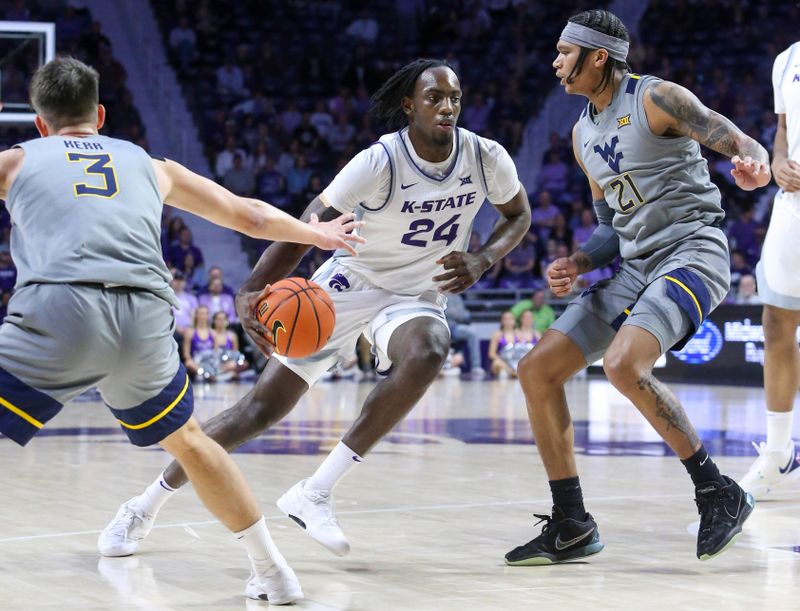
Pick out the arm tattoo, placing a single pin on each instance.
(704, 125)
(668, 408)
(583, 262)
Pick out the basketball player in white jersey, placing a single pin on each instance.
(418, 190)
(778, 275)
(92, 302)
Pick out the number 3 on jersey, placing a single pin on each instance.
(446, 232)
(96, 165)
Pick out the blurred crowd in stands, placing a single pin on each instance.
(281, 109)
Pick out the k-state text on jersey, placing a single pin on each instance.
(437, 205)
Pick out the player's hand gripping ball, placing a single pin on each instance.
(300, 315)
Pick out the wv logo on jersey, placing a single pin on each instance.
(339, 282)
(623, 121)
(609, 154)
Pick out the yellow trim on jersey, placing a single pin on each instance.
(627, 311)
(27, 417)
(158, 417)
(686, 288)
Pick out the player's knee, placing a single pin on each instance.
(621, 369)
(530, 367)
(780, 327)
(186, 440)
(428, 355)
(539, 369)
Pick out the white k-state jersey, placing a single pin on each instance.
(786, 86)
(416, 212)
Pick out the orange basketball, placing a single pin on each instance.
(300, 315)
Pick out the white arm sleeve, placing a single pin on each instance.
(366, 178)
(501, 174)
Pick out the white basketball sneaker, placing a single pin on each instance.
(312, 510)
(278, 585)
(771, 470)
(122, 535)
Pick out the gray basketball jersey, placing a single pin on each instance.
(87, 210)
(659, 187)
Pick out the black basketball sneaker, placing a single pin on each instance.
(723, 510)
(561, 539)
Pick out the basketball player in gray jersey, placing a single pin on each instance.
(92, 303)
(638, 143)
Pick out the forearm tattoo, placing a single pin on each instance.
(583, 262)
(668, 408)
(704, 125)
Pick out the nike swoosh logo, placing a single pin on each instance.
(402, 186)
(788, 467)
(704, 460)
(585, 144)
(560, 545)
(356, 458)
(738, 505)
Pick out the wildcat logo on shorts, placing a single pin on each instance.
(339, 282)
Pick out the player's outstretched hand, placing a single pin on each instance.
(561, 275)
(462, 270)
(337, 233)
(750, 174)
(246, 306)
(787, 174)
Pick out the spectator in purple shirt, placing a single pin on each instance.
(554, 174)
(586, 228)
(476, 115)
(739, 268)
(217, 301)
(189, 303)
(518, 267)
(746, 234)
(215, 271)
(178, 252)
(544, 214)
(195, 274)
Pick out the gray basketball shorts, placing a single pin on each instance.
(668, 294)
(59, 340)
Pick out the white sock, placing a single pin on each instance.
(261, 549)
(155, 495)
(779, 430)
(338, 463)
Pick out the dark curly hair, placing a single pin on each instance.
(387, 101)
(607, 23)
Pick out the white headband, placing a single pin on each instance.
(587, 37)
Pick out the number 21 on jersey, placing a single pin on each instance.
(99, 165)
(624, 186)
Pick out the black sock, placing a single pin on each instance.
(568, 497)
(702, 469)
